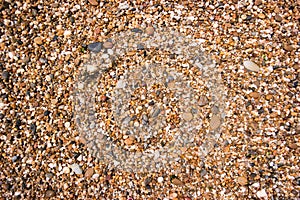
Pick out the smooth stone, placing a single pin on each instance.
(178, 182)
(242, 180)
(107, 45)
(120, 84)
(254, 95)
(288, 47)
(251, 66)
(160, 179)
(187, 116)
(89, 173)
(215, 122)
(262, 194)
(76, 168)
(38, 40)
(93, 2)
(49, 193)
(5, 75)
(140, 47)
(95, 47)
(149, 30)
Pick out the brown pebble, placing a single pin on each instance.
(254, 95)
(149, 30)
(293, 146)
(49, 193)
(89, 173)
(177, 182)
(258, 2)
(203, 100)
(242, 180)
(129, 140)
(187, 116)
(269, 97)
(278, 18)
(261, 16)
(93, 2)
(107, 45)
(38, 40)
(288, 47)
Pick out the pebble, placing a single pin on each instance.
(5, 75)
(203, 100)
(67, 124)
(149, 30)
(89, 172)
(49, 193)
(187, 116)
(262, 194)
(38, 40)
(129, 140)
(261, 16)
(160, 179)
(178, 182)
(107, 45)
(76, 168)
(288, 47)
(242, 180)
(278, 18)
(251, 66)
(95, 47)
(93, 2)
(66, 170)
(254, 95)
(215, 122)
(137, 30)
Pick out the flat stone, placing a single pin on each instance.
(242, 180)
(136, 30)
(254, 95)
(129, 140)
(38, 40)
(93, 2)
(76, 168)
(251, 66)
(187, 116)
(95, 47)
(178, 182)
(288, 47)
(215, 122)
(107, 45)
(89, 172)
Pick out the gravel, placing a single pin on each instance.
(255, 45)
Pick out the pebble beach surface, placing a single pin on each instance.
(255, 45)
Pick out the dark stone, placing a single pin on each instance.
(95, 47)
(260, 111)
(140, 47)
(47, 113)
(18, 123)
(1, 116)
(136, 30)
(33, 128)
(5, 75)
(295, 84)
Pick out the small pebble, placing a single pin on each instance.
(89, 172)
(38, 40)
(288, 47)
(67, 124)
(262, 194)
(66, 170)
(149, 30)
(5, 75)
(254, 95)
(178, 182)
(76, 168)
(49, 193)
(242, 180)
(107, 45)
(215, 122)
(251, 66)
(93, 2)
(187, 116)
(160, 179)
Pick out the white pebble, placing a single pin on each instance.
(66, 170)
(262, 194)
(76, 168)
(160, 179)
(67, 124)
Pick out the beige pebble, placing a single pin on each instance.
(149, 30)
(288, 47)
(66, 170)
(242, 180)
(178, 182)
(261, 16)
(251, 66)
(215, 122)
(187, 116)
(107, 45)
(129, 140)
(89, 172)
